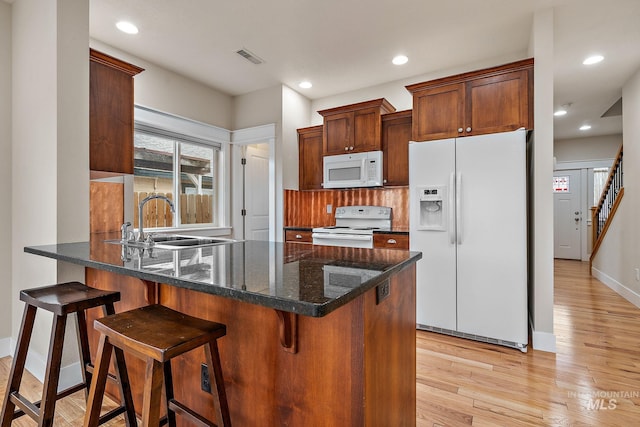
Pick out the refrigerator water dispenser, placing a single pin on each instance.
(433, 215)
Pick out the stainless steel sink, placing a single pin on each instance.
(174, 241)
(177, 242)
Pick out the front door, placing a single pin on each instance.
(567, 214)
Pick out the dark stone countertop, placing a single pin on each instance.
(284, 276)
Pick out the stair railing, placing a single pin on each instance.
(603, 212)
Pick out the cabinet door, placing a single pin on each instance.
(438, 112)
(498, 103)
(366, 130)
(338, 133)
(310, 158)
(396, 134)
(111, 113)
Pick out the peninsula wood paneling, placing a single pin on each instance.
(309, 208)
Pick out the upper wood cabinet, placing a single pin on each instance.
(111, 113)
(497, 99)
(310, 158)
(396, 134)
(354, 128)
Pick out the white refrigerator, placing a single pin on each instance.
(468, 217)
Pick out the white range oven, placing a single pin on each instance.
(354, 226)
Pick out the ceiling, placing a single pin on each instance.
(344, 45)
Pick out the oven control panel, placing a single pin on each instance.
(364, 212)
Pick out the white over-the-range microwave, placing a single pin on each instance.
(353, 170)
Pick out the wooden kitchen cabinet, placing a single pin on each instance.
(396, 134)
(310, 158)
(354, 128)
(391, 241)
(298, 236)
(111, 113)
(497, 99)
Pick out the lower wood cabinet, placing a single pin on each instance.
(391, 241)
(298, 236)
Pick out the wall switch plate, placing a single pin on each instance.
(329, 208)
(638, 274)
(204, 378)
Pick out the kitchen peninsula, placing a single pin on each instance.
(316, 335)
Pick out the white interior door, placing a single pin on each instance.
(257, 192)
(567, 214)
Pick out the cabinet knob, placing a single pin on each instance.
(392, 241)
(469, 129)
(460, 130)
(298, 236)
(346, 148)
(350, 148)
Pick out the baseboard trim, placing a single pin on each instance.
(5, 347)
(70, 375)
(626, 293)
(544, 341)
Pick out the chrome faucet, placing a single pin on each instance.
(141, 205)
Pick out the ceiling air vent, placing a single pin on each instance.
(249, 56)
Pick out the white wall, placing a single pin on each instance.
(166, 91)
(395, 91)
(6, 293)
(619, 255)
(259, 108)
(50, 162)
(296, 110)
(541, 209)
(586, 149)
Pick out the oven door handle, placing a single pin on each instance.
(341, 236)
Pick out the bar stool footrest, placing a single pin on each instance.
(25, 406)
(180, 409)
(111, 414)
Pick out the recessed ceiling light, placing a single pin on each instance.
(305, 85)
(400, 60)
(560, 112)
(127, 27)
(585, 127)
(593, 60)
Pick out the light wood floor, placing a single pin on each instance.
(461, 382)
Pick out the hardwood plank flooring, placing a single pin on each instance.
(592, 380)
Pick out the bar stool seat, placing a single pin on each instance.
(62, 300)
(157, 334)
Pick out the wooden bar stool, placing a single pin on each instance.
(61, 300)
(157, 334)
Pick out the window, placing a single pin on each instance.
(171, 163)
(600, 176)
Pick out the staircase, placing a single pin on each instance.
(602, 214)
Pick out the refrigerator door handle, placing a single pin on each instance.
(459, 207)
(452, 209)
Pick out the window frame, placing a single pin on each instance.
(192, 132)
